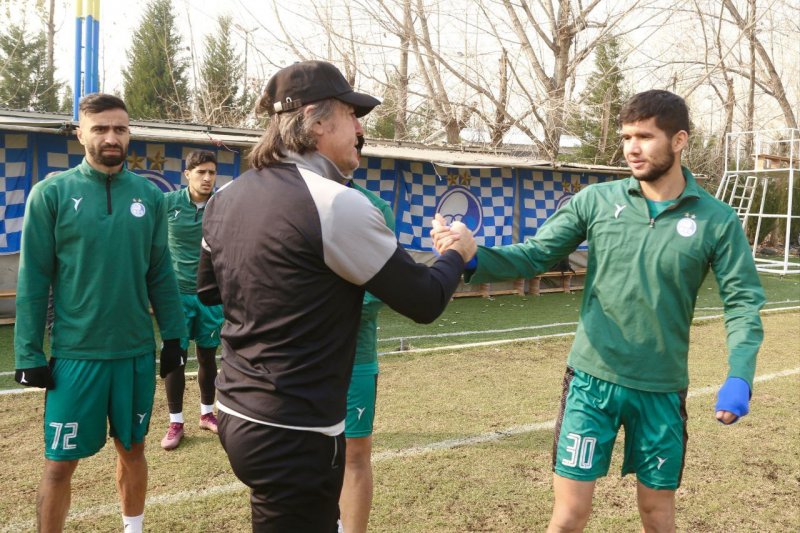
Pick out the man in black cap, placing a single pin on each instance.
(289, 250)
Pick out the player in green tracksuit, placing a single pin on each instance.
(652, 239)
(185, 209)
(97, 234)
(356, 499)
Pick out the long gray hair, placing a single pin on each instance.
(291, 130)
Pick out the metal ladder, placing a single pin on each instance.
(738, 194)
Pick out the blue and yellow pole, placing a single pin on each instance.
(88, 64)
(77, 92)
(87, 47)
(96, 47)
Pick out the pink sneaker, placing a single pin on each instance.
(173, 436)
(209, 422)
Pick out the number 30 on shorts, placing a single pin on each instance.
(581, 451)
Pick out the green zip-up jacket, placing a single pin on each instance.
(185, 221)
(642, 281)
(367, 343)
(101, 242)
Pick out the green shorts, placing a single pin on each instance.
(202, 322)
(89, 396)
(361, 403)
(592, 411)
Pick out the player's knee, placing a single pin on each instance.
(656, 508)
(207, 357)
(570, 521)
(657, 518)
(130, 455)
(59, 471)
(570, 515)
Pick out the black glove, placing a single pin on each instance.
(172, 356)
(39, 376)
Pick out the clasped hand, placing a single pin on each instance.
(455, 236)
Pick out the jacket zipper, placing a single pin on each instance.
(108, 193)
(670, 208)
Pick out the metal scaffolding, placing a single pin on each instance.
(774, 157)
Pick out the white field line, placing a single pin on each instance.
(768, 303)
(457, 346)
(543, 326)
(538, 337)
(477, 332)
(388, 455)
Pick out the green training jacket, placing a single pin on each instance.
(367, 343)
(185, 223)
(101, 242)
(642, 280)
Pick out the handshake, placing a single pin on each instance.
(456, 237)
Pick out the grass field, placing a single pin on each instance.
(463, 438)
(471, 320)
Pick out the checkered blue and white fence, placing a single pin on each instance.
(481, 198)
(378, 175)
(543, 192)
(161, 163)
(16, 162)
(500, 204)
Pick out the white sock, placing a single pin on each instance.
(205, 409)
(176, 417)
(132, 524)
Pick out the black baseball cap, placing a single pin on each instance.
(311, 81)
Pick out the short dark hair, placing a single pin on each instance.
(198, 157)
(669, 110)
(99, 102)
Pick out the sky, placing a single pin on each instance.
(119, 19)
(254, 20)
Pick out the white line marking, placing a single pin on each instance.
(468, 441)
(478, 344)
(545, 326)
(477, 332)
(768, 303)
(539, 337)
(388, 455)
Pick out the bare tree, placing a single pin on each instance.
(51, 34)
(773, 84)
(553, 43)
(522, 63)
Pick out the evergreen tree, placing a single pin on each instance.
(222, 102)
(67, 102)
(26, 82)
(155, 82)
(596, 126)
(380, 123)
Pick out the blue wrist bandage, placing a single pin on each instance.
(734, 396)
